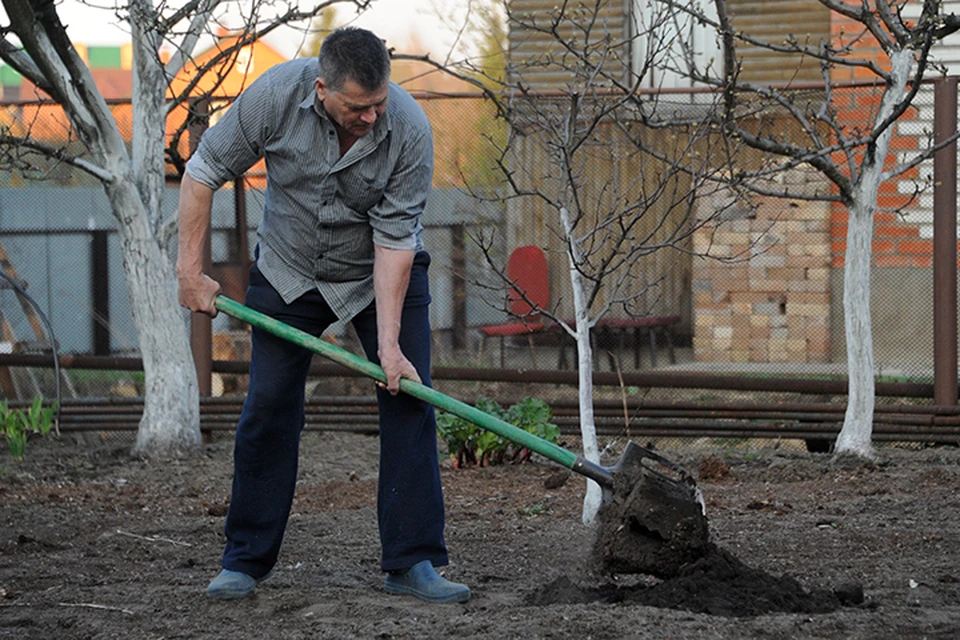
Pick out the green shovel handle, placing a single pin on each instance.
(429, 395)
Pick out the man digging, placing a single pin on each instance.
(349, 167)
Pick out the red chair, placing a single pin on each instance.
(527, 270)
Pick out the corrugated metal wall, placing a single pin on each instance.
(611, 176)
(538, 53)
(773, 21)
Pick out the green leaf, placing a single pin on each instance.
(532, 511)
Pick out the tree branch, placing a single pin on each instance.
(68, 79)
(470, 79)
(183, 51)
(21, 62)
(864, 16)
(60, 154)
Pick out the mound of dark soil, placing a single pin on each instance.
(716, 584)
(654, 524)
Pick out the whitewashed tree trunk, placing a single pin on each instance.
(171, 416)
(855, 436)
(857, 432)
(588, 428)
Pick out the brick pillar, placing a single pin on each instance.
(762, 293)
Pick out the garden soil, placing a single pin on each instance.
(95, 543)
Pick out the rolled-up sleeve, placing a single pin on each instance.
(396, 218)
(236, 142)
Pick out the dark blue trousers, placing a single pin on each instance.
(409, 499)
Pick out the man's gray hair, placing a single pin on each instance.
(352, 53)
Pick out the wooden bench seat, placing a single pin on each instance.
(608, 328)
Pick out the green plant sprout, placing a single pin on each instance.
(470, 445)
(18, 424)
(532, 511)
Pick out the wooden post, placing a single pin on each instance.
(101, 292)
(945, 245)
(459, 263)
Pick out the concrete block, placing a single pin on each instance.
(768, 260)
(723, 333)
(767, 308)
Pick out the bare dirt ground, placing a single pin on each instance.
(96, 544)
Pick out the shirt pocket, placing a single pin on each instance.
(363, 187)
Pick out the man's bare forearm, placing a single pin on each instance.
(197, 290)
(196, 200)
(391, 276)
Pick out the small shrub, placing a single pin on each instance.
(469, 444)
(18, 425)
(533, 416)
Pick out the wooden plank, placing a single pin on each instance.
(28, 309)
(6, 377)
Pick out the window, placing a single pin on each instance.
(670, 47)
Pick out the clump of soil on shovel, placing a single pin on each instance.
(650, 523)
(653, 524)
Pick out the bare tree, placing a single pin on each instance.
(566, 145)
(613, 193)
(768, 129)
(794, 125)
(855, 157)
(35, 43)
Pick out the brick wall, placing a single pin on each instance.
(762, 281)
(903, 235)
(903, 224)
(772, 303)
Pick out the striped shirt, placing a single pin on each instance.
(322, 213)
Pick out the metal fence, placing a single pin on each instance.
(759, 351)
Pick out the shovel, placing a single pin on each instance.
(644, 494)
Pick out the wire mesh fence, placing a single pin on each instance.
(767, 304)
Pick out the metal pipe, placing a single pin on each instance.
(648, 428)
(367, 406)
(558, 405)
(609, 424)
(651, 379)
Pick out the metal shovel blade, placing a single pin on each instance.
(638, 462)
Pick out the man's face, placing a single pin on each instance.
(353, 108)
